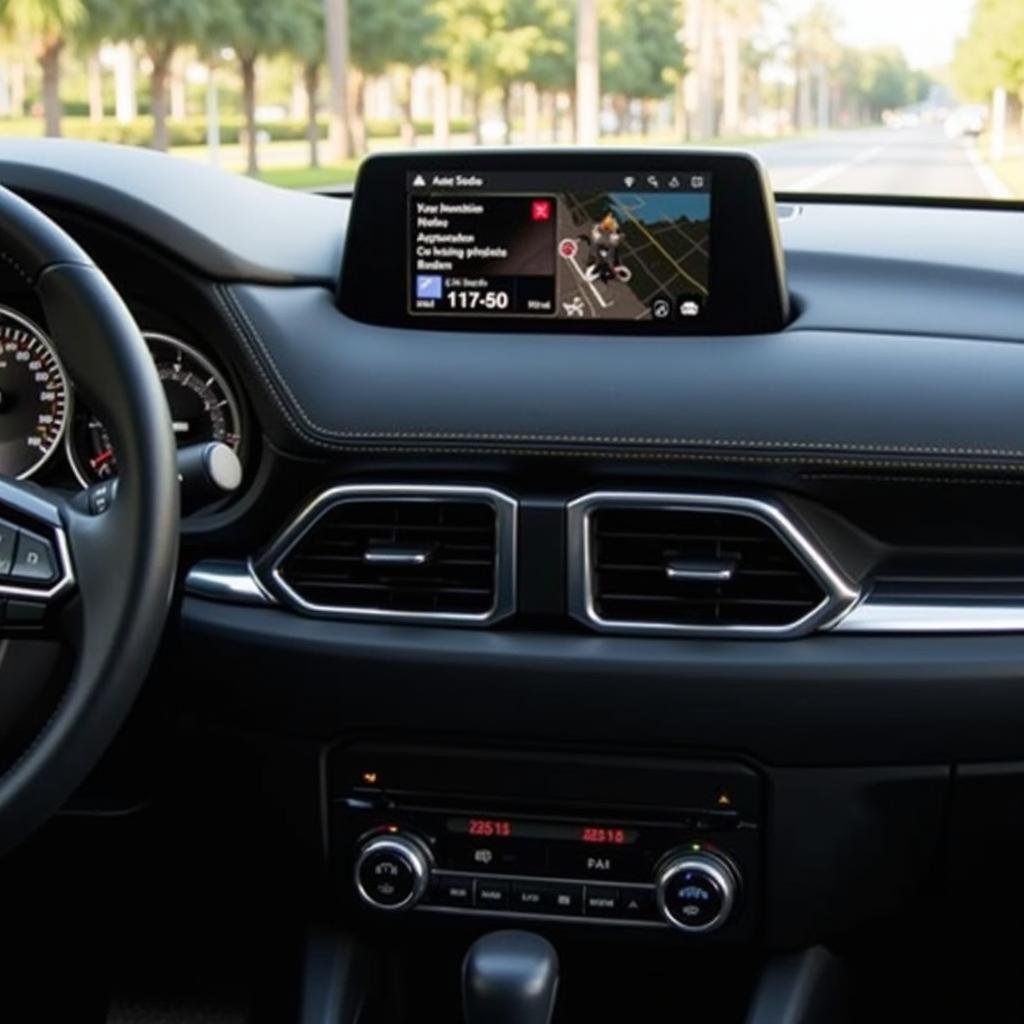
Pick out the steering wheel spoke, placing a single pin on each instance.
(36, 567)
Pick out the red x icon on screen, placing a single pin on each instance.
(540, 209)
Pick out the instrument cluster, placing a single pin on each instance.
(40, 414)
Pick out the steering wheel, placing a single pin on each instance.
(104, 581)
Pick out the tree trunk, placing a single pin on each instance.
(94, 72)
(588, 83)
(179, 92)
(531, 113)
(442, 119)
(49, 61)
(311, 79)
(406, 127)
(359, 114)
(732, 71)
(125, 100)
(506, 111)
(18, 89)
(158, 97)
(477, 115)
(549, 115)
(248, 66)
(336, 30)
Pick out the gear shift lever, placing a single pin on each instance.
(509, 977)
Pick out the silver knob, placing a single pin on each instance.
(696, 892)
(392, 872)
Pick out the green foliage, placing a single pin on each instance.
(551, 56)
(163, 25)
(383, 35)
(42, 20)
(887, 82)
(641, 55)
(992, 52)
(261, 28)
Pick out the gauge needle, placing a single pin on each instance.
(101, 458)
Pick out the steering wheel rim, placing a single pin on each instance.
(121, 563)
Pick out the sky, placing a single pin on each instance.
(926, 30)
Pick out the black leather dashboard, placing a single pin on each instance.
(802, 396)
(904, 353)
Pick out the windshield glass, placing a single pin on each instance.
(895, 97)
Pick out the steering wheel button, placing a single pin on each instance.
(8, 541)
(35, 560)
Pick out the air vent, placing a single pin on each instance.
(697, 564)
(403, 553)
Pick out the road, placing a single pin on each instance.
(920, 160)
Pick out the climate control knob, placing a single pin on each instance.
(696, 892)
(392, 872)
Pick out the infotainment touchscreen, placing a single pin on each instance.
(581, 245)
(641, 242)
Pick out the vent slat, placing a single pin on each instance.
(770, 587)
(327, 567)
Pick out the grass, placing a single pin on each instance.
(312, 177)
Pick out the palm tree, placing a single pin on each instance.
(588, 85)
(739, 18)
(44, 24)
(340, 131)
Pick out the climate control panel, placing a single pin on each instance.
(406, 838)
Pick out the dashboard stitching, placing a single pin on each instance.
(16, 267)
(664, 456)
(234, 308)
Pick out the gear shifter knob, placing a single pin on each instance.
(509, 977)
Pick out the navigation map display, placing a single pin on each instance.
(578, 245)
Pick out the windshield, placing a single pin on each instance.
(893, 97)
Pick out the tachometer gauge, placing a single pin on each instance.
(33, 396)
(201, 403)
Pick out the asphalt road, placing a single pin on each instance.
(920, 161)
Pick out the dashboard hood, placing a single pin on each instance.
(227, 226)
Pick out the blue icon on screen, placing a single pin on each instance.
(428, 286)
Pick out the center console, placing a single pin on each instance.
(669, 846)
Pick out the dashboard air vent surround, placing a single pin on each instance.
(697, 564)
(400, 553)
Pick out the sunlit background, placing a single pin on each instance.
(897, 96)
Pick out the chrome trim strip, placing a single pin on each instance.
(841, 593)
(266, 567)
(65, 580)
(221, 580)
(516, 915)
(892, 616)
(702, 572)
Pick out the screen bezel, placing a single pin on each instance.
(747, 289)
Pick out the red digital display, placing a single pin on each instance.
(555, 831)
(491, 828)
(604, 836)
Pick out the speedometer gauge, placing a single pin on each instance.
(201, 403)
(33, 396)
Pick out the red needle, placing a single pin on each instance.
(101, 458)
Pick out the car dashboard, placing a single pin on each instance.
(533, 624)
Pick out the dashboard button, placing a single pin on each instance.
(501, 857)
(8, 540)
(392, 872)
(34, 560)
(638, 904)
(491, 895)
(527, 898)
(563, 898)
(602, 901)
(453, 891)
(24, 613)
